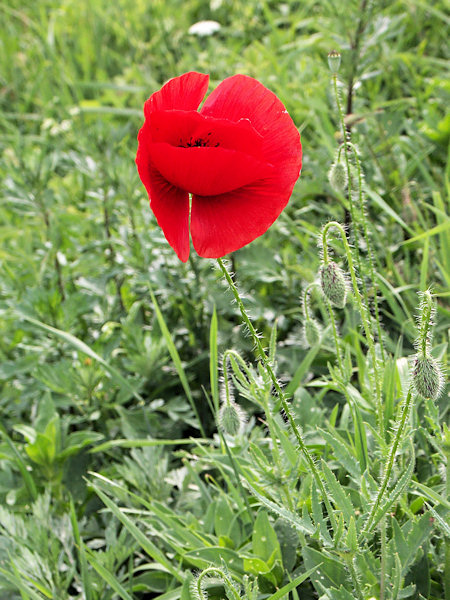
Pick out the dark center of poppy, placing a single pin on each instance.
(199, 142)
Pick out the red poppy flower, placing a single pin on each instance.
(239, 157)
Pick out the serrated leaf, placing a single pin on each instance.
(342, 453)
(340, 497)
(300, 523)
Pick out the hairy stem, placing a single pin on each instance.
(268, 367)
(363, 313)
(390, 462)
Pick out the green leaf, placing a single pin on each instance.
(105, 574)
(176, 360)
(85, 349)
(140, 537)
(301, 524)
(341, 499)
(264, 539)
(342, 452)
(281, 593)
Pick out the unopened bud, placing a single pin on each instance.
(337, 176)
(333, 284)
(231, 417)
(311, 332)
(334, 61)
(427, 376)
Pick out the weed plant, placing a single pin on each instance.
(272, 426)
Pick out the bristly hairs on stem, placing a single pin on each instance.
(312, 330)
(261, 354)
(198, 585)
(427, 373)
(231, 417)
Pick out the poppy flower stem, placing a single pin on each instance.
(349, 148)
(284, 403)
(362, 310)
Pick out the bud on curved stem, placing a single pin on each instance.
(427, 375)
(363, 310)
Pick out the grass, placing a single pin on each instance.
(115, 480)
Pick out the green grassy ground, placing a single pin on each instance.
(110, 486)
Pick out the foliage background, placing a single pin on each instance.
(84, 357)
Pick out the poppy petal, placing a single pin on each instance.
(184, 92)
(169, 204)
(241, 97)
(225, 223)
(207, 171)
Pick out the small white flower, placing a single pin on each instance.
(204, 28)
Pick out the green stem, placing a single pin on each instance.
(335, 336)
(306, 296)
(221, 574)
(364, 308)
(368, 243)
(363, 313)
(354, 576)
(383, 558)
(425, 322)
(266, 364)
(390, 463)
(238, 478)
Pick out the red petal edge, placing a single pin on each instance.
(184, 92)
(169, 204)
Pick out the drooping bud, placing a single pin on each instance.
(334, 61)
(427, 376)
(311, 332)
(337, 176)
(231, 418)
(334, 286)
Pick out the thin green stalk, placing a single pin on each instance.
(306, 295)
(270, 424)
(238, 478)
(369, 245)
(354, 576)
(221, 575)
(335, 335)
(383, 557)
(425, 322)
(390, 463)
(266, 364)
(361, 308)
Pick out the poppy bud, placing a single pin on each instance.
(427, 376)
(333, 284)
(231, 417)
(334, 61)
(337, 176)
(311, 332)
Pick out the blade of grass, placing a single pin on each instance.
(105, 574)
(145, 543)
(176, 359)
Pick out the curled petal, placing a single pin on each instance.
(190, 128)
(241, 97)
(207, 171)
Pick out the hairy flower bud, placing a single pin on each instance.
(337, 176)
(427, 376)
(311, 332)
(231, 418)
(334, 61)
(334, 286)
